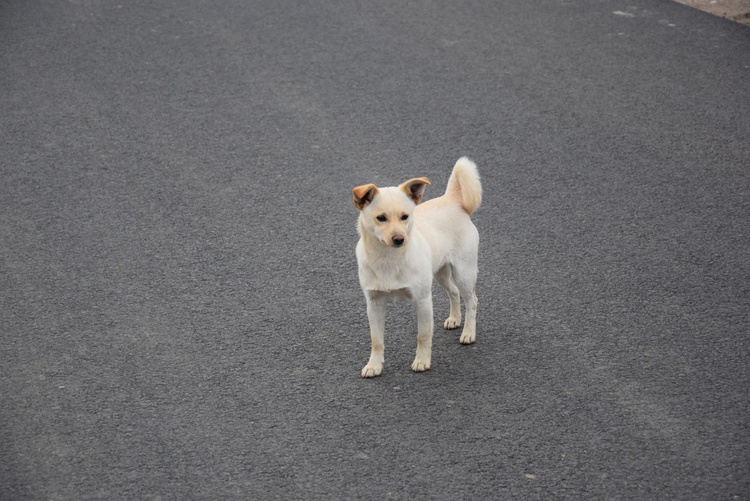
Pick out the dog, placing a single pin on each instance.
(403, 244)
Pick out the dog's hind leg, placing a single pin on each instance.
(469, 333)
(376, 316)
(466, 282)
(443, 277)
(424, 334)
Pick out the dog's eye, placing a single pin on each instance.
(382, 218)
(404, 217)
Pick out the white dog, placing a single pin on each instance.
(403, 245)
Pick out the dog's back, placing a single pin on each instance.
(444, 221)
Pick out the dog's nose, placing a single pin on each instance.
(398, 240)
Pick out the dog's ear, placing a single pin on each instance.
(414, 188)
(363, 195)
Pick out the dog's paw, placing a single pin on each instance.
(372, 369)
(420, 365)
(452, 323)
(467, 337)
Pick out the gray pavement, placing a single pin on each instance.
(181, 317)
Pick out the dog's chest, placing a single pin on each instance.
(384, 278)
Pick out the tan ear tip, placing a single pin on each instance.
(364, 194)
(361, 191)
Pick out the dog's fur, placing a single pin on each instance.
(403, 245)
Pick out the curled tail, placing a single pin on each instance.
(464, 184)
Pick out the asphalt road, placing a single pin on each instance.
(181, 317)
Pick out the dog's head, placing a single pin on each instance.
(386, 213)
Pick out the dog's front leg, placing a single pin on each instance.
(376, 316)
(424, 334)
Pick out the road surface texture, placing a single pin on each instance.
(181, 316)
